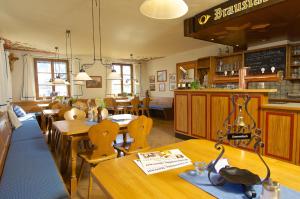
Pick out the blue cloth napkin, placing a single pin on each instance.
(229, 190)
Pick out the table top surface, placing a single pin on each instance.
(74, 127)
(50, 111)
(43, 105)
(123, 100)
(117, 175)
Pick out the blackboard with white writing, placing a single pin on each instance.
(265, 60)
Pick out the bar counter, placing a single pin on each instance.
(200, 114)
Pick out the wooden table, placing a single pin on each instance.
(43, 106)
(122, 178)
(76, 130)
(46, 113)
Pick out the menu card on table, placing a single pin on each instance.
(159, 161)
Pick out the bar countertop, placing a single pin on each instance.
(283, 106)
(222, 90)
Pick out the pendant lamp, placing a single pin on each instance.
(164, 9)
(82, 76)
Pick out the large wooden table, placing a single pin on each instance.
(122, 178)
(75, 131)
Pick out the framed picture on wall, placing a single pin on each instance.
(172, 86)
(152, 79)
(152, 87)
(95, 83)
(162, 87)
(162, 76)
(172, 77)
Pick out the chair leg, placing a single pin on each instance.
(148, 113)
(90, 183)
(81, 170)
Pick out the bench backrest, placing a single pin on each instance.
(30, 106)
(5, 135)
(164, 101)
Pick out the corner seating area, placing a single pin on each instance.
(164, 105)
(26, 165)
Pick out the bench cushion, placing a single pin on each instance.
(30, 172)
(160, 107)
(30, 129)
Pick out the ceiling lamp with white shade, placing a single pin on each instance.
(58, 80)
(82, 76)
(164, 9)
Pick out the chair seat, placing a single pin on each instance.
(125, 148)
(87, 156)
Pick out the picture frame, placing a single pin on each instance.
(162, 87)
(95, 83)
(152, 87)
(152, 79)
(162, 76)
(172, 86)
(172, 77)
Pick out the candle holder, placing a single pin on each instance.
(239, 134)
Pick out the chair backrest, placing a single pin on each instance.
(110, 102)
(146, 102)
(102, 136)
(104, 113)
(62, 111)
(81, 105)
(57, 106)
(75, 114)
(139, 129)
(135, 103)
(51, 105)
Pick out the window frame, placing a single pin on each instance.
(122, 80)
(52, 61)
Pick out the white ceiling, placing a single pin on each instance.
(42, 24)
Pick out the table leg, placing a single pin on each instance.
(73, 148)
(43, 123)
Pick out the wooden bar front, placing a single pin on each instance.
(201, 113)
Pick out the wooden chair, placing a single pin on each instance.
(53, 135)
(138, 129)
(101, 136)
(145, 106)
(112, 106)
(134, 108)
(81, 105)
(75, 114)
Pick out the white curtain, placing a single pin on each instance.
(28, 86)
(4, 75)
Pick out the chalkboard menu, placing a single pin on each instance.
(265, 60)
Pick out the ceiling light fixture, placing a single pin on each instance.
(57, 80)
(164, 9)
(104, 62)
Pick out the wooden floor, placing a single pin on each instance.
(161, 134)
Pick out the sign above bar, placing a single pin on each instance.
(229, 9)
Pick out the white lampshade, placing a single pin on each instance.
(80, 83)
(114, 76)
(164, 9)
(82, 76)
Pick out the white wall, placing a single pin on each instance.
(95, 70)
(169, 64)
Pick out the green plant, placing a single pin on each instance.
(195, 85)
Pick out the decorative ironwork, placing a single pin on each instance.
(238, 134)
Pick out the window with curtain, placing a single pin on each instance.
(124, 85)
(46, 69)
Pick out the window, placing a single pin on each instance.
(125, 84)
(46, 69)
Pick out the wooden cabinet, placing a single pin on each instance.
(280, 134)
(219, 110)
(199, 115)
(181, 113)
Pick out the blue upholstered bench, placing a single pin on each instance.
(30, 171)
(162, 104)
